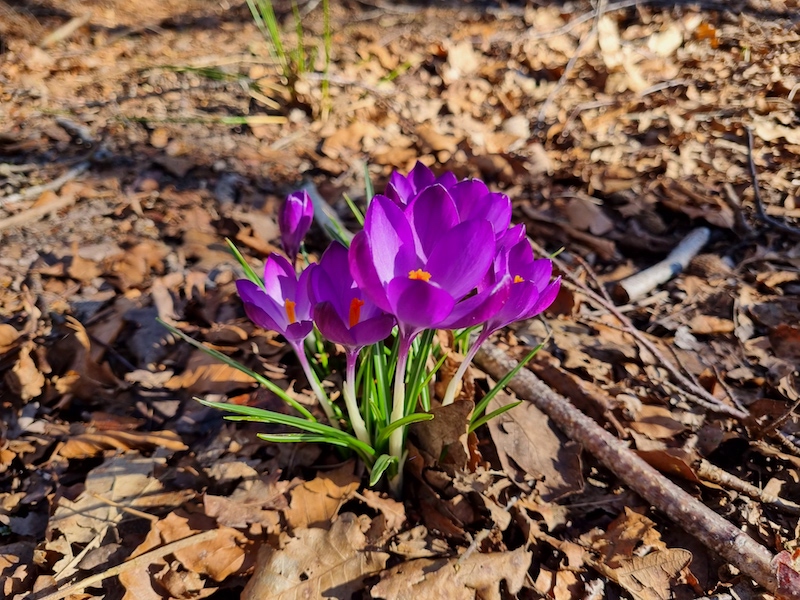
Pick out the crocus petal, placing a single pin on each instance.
(447, 179)
(263, 319)
(480, 307)
(391, 241)
(420, 177)
(331, 325)
(363, 271)
(546, 298)
(280, 279)
(294, 220)
(418, 304)
(372, 331)
(297, 332)
(432, 212)
(540, 272)
(301, 298)
(462, 256)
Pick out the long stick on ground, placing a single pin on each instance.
(750, 557)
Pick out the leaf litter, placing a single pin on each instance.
(616, 130)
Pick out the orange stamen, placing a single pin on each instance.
(289, 307)
(419, 274)
(518, 279)
(355, 311)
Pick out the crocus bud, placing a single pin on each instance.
(294, 221)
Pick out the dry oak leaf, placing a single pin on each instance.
(24, 378)
(650, 577)
(393, 511)
(531, 448)
(8, 336)
(316, 563)
(464, 578)
(87, 445)
(316, 502)
(205, 374)
(220, 557)
(253, 501)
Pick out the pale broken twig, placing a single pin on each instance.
(643, 282)
(55, 185)
(722, 537)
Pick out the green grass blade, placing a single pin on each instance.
(379, 468)
(495, 413)
(259, 415)
(407, 420)
(248, 270)
(369, 190)
(481, 406)
(354, 209)
(240, 367)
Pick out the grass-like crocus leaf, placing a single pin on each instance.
(495, 413)
(248, 270)
(240, 367)
(359, 216)
(407, 420)
(480, 408)
(259, 415)
(383, 462)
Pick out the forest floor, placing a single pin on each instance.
(136, 137)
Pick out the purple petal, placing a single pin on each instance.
(294, 220)
(297, 332)
(447, 179)
(462, 256)
(391, 241)
(301, 298)
(280, 279)
(418, 304)
(363, 270)
(546, 298)
(432, 212)
(331, 325)
(420, 177)
(372, 331)
(480, 307)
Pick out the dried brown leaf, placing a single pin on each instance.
(316, 502)
(316, 563)
(531, 448)
(205, 374)
(464, 578)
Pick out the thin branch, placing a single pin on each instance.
(677, 375)
(713, 531)
(760, 212)
(54, 185)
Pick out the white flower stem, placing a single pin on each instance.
(450, 393)
(315, 385)
(399, 405)
(349, 393)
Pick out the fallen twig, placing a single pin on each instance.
(760, 212)
(141, 560)
(723, 538)
(37, 212)
(695, 390)
(645, 281)
(37, 190)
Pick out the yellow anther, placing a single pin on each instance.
(419, 274)
(289, 307)
(355, 311)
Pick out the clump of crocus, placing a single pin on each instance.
(435, 253)
(294, 220)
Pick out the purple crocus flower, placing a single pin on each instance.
(345, 316)
(294, 220)
(282, 304)
(416, 264)
(341, 311)
(402, 189)
(521, 281)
